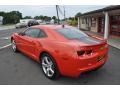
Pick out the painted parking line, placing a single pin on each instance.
(7, 28)
(5, 46)
(5, 38)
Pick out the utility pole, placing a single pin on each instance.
(64, 13)
(57, 14)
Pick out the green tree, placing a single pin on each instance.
(47, 18)
(36, 17)
(11, 17)
(2, 13)
(71, 18)
(27, 17)
(17, 13)
(54, 18)
(41, 17)
(44, 18)
(77, 15)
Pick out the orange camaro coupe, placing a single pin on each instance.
(61, 50)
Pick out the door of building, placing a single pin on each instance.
(115, 25)
(101, 25)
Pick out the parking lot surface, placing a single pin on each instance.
(16, 68)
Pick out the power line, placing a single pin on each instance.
(60, 11)
(57, 14)
(64, 13)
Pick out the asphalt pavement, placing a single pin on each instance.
(6, 34)
(16, 68)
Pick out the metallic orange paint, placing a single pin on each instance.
(63, 50)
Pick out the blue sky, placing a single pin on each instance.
(49, 10)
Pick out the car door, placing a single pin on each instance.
(29, 40)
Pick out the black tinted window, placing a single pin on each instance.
(36, 33)
(32, 32)
(42, 34)
(72, 33)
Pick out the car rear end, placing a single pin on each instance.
(89, 52)
(83, 59)
(91, 57)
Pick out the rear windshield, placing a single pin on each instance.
(72, 33)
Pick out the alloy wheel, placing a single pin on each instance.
(48, 66)
(14, 46)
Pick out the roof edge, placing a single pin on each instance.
(111, 7)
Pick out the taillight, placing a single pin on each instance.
(103, 47)
(80, 53)
(88, 51)
(84, 52)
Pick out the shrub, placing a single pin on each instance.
(73, 22)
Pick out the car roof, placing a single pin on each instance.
(53, 27)
(51, 31)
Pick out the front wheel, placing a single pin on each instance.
(49, 67)
(14, 47)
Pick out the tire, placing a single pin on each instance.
(49, 67)
(14, 46)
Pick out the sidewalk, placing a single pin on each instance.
(112, 40)
(5, 27)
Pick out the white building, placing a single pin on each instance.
(105, 21)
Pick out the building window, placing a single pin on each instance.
(86, 21)
(83, 20)
(93, 22)
(115, 25)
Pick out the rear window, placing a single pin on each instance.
(72, 33)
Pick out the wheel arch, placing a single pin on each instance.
(49, 53)
(54, 60)
(44, 52)
(11, 39)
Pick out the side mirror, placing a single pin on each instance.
(21, 33)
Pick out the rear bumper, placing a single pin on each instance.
(91, 67)
(75, 67)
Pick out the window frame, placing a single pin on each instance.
(93, 22)
(45, 35)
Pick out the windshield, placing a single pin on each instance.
(72, 33)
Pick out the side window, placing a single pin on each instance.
(36, 33)
(32, 32)
(42, 34)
